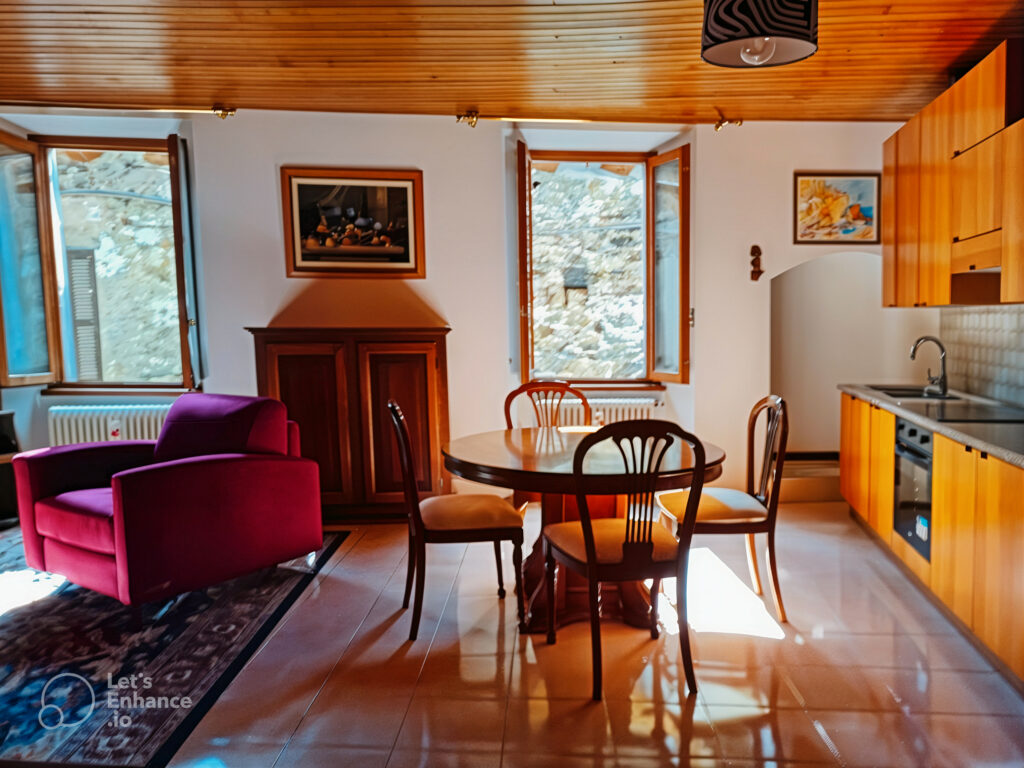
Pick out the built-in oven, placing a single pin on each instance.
(912, 511)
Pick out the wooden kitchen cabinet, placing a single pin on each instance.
(989, 97)
(882, 473)
(934, 238)
(952, 530)
(908, 202)
(999, 561)
(855, 454)
(978, 189)
(1012, 235)
(887, 231)
(336, 383)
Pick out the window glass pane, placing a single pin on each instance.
(667, 320)
(119, 291)
(21, 277)
(588, 270)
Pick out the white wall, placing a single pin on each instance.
(828, 327)
(237, 188)
(744, 195)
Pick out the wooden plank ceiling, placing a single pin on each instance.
(611, 61)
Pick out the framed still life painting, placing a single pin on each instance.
(346, 222)
(835, 207)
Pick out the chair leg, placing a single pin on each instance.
(655, 591)
(417, 605)
(409, 571)
(549, 576)
(517, 563)
(501, 579)
(684, 632)
(595, 635)
(774, 574)
(755, 577)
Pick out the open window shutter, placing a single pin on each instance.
(29, 324)
(525, 187)
(668, 266)
(85, 312)
(184, 243)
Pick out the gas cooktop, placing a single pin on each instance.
(965, 410)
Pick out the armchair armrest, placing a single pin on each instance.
(185, 524)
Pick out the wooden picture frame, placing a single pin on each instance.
(353, 222)
(836, 207)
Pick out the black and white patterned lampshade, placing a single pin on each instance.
(759, 33)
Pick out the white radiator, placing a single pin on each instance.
(97, 423)
(605, 410)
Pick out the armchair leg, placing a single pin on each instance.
(755, 577)
(497, 560)
(421, 570)
(549, 574)
(411, 567)
(517, 563)
(595, 634)
(774, 573)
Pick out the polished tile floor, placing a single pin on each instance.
(866, 673)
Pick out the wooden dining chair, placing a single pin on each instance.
(453, 518)
(726, 510)
(546, 398)
(634, 547)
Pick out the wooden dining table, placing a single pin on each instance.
(539, 460)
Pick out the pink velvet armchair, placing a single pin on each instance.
(221, 493)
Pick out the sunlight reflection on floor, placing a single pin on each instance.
(18, 588)
(719, 601)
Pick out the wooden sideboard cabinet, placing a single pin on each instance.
(336, 383)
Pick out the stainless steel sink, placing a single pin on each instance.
(908, 392)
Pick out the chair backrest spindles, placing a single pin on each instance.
(546, 398)
(643, 446)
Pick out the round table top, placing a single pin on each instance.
(540, 460)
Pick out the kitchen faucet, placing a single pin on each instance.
(937, 385)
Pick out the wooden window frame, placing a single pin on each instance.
(45, 143)
(652, 380)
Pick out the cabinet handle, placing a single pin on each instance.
(967, 448)
(956, 239)
(984, 455)
(972, 267)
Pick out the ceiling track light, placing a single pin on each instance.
(758, 33)
(469, 118)
(723, 121)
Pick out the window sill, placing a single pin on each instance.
(595, 385)
(58, 390)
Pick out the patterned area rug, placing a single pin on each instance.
(79, 685)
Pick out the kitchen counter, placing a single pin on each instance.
(1000, 440)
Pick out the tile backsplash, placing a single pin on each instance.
(985, 350)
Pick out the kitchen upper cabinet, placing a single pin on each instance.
(989, 97)
(999, 564)
(908, 202)
(1012, 234)
(952, 526)
(977, 189)
(336, 383)
(934, 239)
(888, 223)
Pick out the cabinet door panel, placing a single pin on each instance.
(860, 459)
(406, 373)
(977, 189)
(888, 222)
(935, 239)
(845, 444)
(908, 198)
(999, 566)
(953, 494)
(1012, 283)
(979, 101)
(310, 380)
(883, 471)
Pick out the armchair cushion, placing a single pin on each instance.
(200, 424)
(79, 518)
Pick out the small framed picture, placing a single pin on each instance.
(835, 207)
(346, 222)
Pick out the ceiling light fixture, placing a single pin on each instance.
(759, 33)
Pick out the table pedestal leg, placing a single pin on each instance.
(628, 601)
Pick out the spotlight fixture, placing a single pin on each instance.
(722, 122)
(759, 33)
(469, 118)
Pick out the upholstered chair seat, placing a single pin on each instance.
(609, 535)
(471, 510)
(719, 505)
